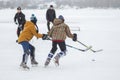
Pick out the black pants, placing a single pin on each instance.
(19, 29)
(61, 45)
(48, 25)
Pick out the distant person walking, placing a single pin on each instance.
(20, 20)
(50, 16)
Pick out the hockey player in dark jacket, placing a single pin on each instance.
(50, 16)
(20, 20)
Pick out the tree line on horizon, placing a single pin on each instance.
(33, 4)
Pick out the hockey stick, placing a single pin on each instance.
(90, 48)
(83, 50)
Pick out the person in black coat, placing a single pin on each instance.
(50, 16)
(20, 20)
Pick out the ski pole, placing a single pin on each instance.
(90, 48)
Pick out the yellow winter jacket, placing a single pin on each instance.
(28, 32)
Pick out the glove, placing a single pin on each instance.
(20, 27)
(37, 31)
(16, 23)
(45, 37)
(74, 37)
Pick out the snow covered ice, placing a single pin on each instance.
(98, 27)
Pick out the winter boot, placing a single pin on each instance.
(56, 59)
(24, 61)
(50, 55)
(23, 65)
(47, 62)
(34, 62)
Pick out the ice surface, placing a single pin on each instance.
(98, 27)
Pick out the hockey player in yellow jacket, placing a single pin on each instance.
(28, 32)
(26, 35)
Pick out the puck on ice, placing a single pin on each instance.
(93, 59)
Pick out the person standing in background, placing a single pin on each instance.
(50, 16)
(20, 20)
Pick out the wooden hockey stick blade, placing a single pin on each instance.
(97, 50)
(88, 48)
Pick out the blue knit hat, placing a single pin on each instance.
(33, 18)
(61, 17)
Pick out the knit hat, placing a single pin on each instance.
(51, 6)
(33, 18)
(19, 8)
(61, 17)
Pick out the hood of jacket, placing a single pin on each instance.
(28, 23)
(57, 21)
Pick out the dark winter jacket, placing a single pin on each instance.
(20, 17)
(59, 31)
(50, 15)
